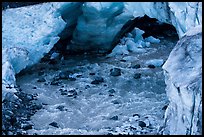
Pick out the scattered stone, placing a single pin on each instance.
(53, 61)
(105, 85)
(111, 91)
(115, 72)
(151, 66)
(54, 82)
(87, 86)
(111, 95)
(64, 92)
(78, 76)
(142, 124)
(91, 73)
(165, 107)
(136, 66)
(115, 102)
(41, 80)
(27, 126)
(34, 87)
(61, 108)
(40, 73)
(72, 93)
(134, 115)
(137, 75)
(123, 60)
(114, 118)
(54, 124)
(97, 80)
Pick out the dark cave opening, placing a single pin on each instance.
(151, 27)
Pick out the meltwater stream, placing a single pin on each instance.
(129, 103)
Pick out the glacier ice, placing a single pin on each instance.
(27, 34)
(155, 62)
(183, 77)
(152, 39)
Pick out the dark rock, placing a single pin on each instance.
(97, 80)
(87, 86)
(54, 124)
(114, 118)
(109, 134)
(54, 82)
(61, 108)
(165, 107)
(136, 115)
(115, 102)
(72, 93)
(34, 87)
(137, 75)
(122, 60)
(40, 73)
(64, 92)
(41, 80)
(115, 72)
(27, 126)
(105, 85)
(151, 66)
(91, 73)
(111, 95)
(78, 76)
(136, 66)
(111, 91)
(71, 79)
(53, 61)
(142, 124)
(65, 74)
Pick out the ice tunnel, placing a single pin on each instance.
(106, 68)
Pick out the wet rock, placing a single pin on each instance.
(97, 80)
(111, 91)
(137, 75)
(54, 124)
(165, 107)
(87, 86)
(142, 124)
(91, 73)
(78, 76)
(114, 118)
(34, 87)
(27, 126)
(41, 80)
(55, 82)
(115, 102)
(64, 92)
(72, 93)
(65, 74)
(53, 61)
(40, 73)
(61, 108)
(136, 115)
(115, 72)
(136, 66)
(151, 66)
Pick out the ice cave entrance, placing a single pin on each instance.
(121, 94)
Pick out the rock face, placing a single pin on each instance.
(183, 77)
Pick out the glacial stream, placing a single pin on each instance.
(130, 103)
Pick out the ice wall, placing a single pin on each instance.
(183, 77)
(27, 34)
(101, 21)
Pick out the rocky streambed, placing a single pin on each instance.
(91, 94)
